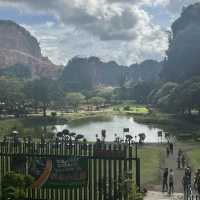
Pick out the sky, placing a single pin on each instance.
(126, 31)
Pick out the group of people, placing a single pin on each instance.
(187, 181)
(168, 177)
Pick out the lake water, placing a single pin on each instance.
(113, 125)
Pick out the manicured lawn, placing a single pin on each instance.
(126, 109)
(194, 157)
(173, 124)
(150, 165)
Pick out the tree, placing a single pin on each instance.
(161, 96)
(97, 101)
(187, 96)
(12, 98)
(105, 93)
(43, 92)
(74, 99)
(140, 91)
(17, 71)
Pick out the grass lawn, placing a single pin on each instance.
(25, 126)
(172, 124)
(150, 165)
(130, 109)
(194, 157)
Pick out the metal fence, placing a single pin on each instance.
(107, 165)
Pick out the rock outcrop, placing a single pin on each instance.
(18, 46)
(81, 73)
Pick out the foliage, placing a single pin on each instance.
(194, 158)
(12, 96)
(17, 71)
(97, 101)
(134, 194)
(127, 108)
(14, 185)
(161, 96)
(140, 91)
(74, 99)
(43, 92)
(129, 188)
(105, 93)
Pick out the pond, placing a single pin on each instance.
(112, 125)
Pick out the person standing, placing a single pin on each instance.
(183, 161)
(165, 180)
(171, 146)
(179, 162)
(186, 185)
(167, 152)
(180, 152)
(171, 182)
(197, 181)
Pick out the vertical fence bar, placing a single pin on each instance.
(95, 192)
(110, 175)
(104, 175)
(90, 172)
(85, 150)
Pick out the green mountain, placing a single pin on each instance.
(82, 73)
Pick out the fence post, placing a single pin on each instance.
(138, 173)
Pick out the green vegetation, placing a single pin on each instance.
(174, 124)
(35, 124)
(31, 126)
(194, 158)
(150, 165)
(42, 93)
(130, 108)
(17, 71)
(14, 185)
(74, 99)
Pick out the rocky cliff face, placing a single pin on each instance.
(81, 73)
(183, 55)
(18, 46)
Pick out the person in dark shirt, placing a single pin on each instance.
(171, 147)
(165, 180)
(171, 182)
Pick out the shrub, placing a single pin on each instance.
(127, 108)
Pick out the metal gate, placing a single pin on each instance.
(106, 164)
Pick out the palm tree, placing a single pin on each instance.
(79, 137)
(142, 137)
(65, 133)
(60, 134)
(129, 138)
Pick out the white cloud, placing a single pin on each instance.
(61, 43)
(118, 30)
(175, 6)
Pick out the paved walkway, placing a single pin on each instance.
(152, 195)
(170, 163)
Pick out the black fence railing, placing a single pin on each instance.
(72, 170)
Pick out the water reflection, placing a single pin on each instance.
(113, 125)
